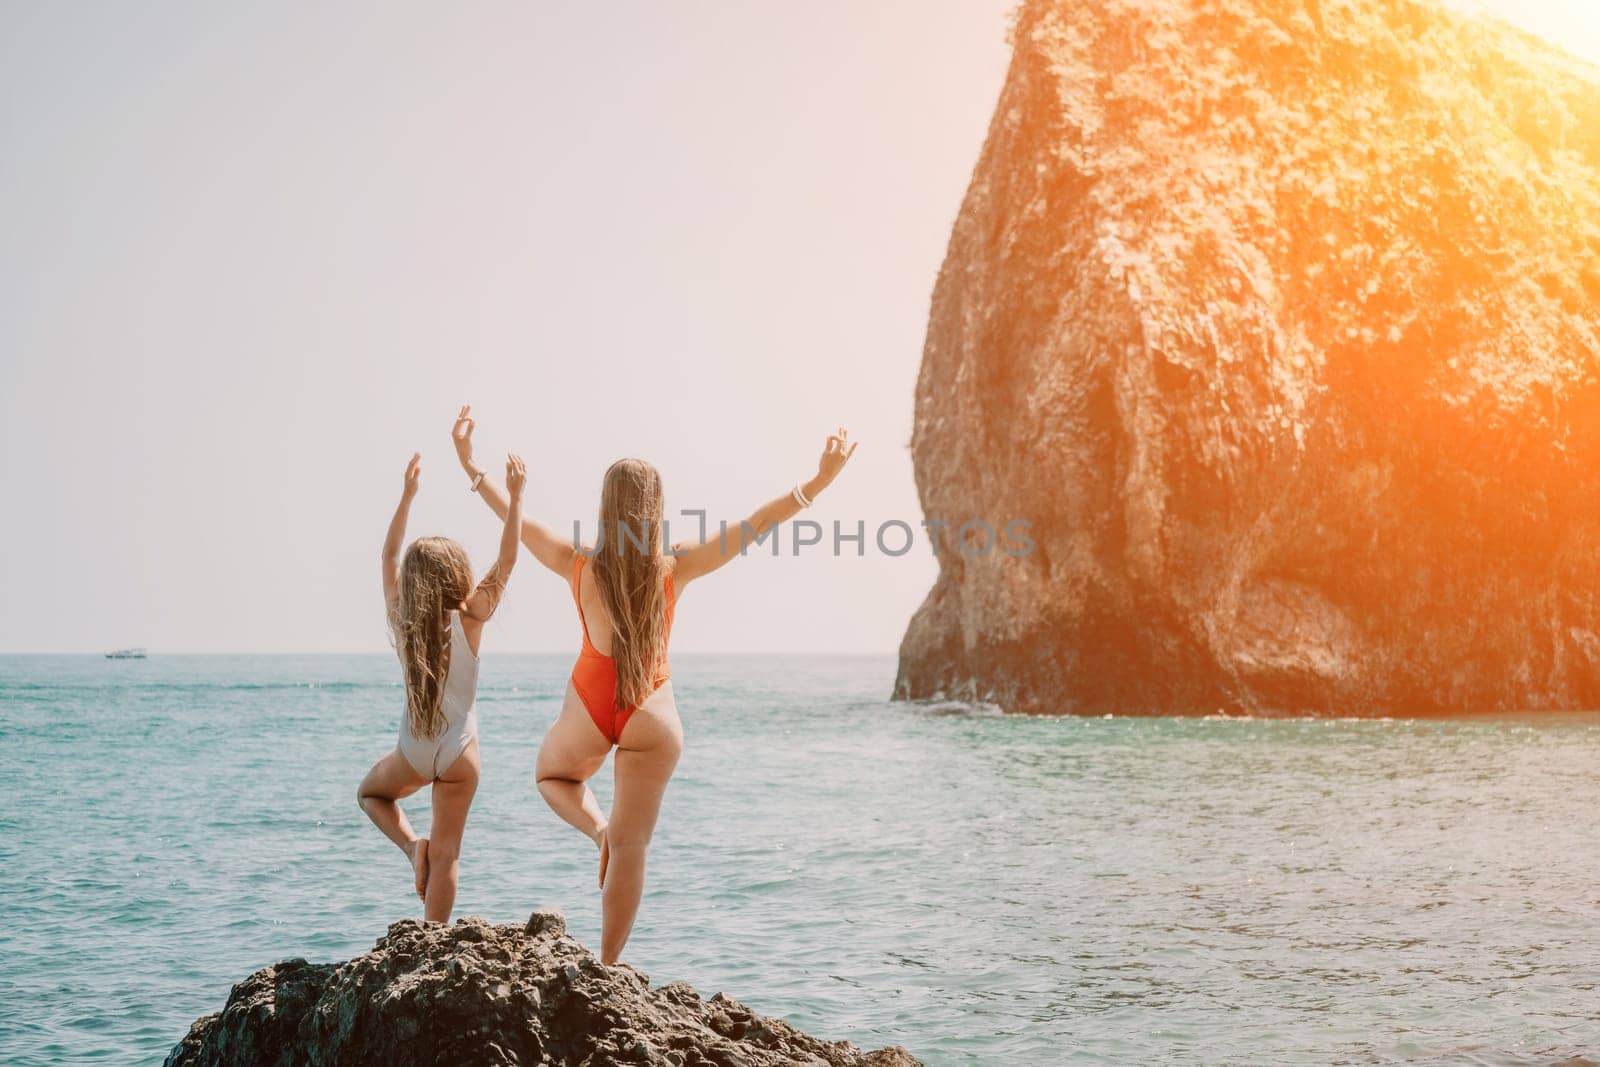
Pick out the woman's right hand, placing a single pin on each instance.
(461, 434)
(516, 475)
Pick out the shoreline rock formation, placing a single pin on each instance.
(476, 993)
(1279, 320)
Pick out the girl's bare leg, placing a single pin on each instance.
(390, 779)
(651, 744)
(452, 797)
(572, 751)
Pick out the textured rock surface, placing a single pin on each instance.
(474, 993)
(1278, 320)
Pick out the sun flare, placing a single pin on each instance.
(1572, 24)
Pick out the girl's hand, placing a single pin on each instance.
(461, 434)
(835, 455)
(413, 472)
(516, 475)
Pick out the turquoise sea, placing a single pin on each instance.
(979, 888)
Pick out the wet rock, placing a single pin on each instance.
(476, 993)
(1280, 323)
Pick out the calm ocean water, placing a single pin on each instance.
(981, 889)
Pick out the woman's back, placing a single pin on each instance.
(595, 674)
(592, 605)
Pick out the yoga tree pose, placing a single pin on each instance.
(436, 618)
(620, 693)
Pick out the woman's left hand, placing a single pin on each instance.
(461, 436)
(516, 475)
(413, 473)
(835, 454)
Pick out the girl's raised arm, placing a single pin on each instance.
(697, 560)
(486, 597)
(542, 541)
(395, 539)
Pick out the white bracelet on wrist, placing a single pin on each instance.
(477, 481)
(800, 496)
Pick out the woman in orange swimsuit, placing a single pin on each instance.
(620, 692)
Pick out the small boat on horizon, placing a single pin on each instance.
(127, 653)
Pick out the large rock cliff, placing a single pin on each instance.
(1277, 319)
(474, 993)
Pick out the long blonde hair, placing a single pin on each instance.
(630, 571)
(435, 578)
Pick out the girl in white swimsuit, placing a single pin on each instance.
(458, 707)
(436, 619)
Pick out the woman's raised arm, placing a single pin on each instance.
(695, 561)
(542, 541)
(485, 598)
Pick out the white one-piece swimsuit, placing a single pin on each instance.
(432, 756)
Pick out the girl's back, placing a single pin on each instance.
(458, 707)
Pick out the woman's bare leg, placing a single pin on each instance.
(572, 751)
(390, 779)
(452, 797)
(651, 743)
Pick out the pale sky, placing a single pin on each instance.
(255, 254)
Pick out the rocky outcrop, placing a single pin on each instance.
(474, 993)
(1277, 319)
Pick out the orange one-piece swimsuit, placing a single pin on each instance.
(594, 676)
